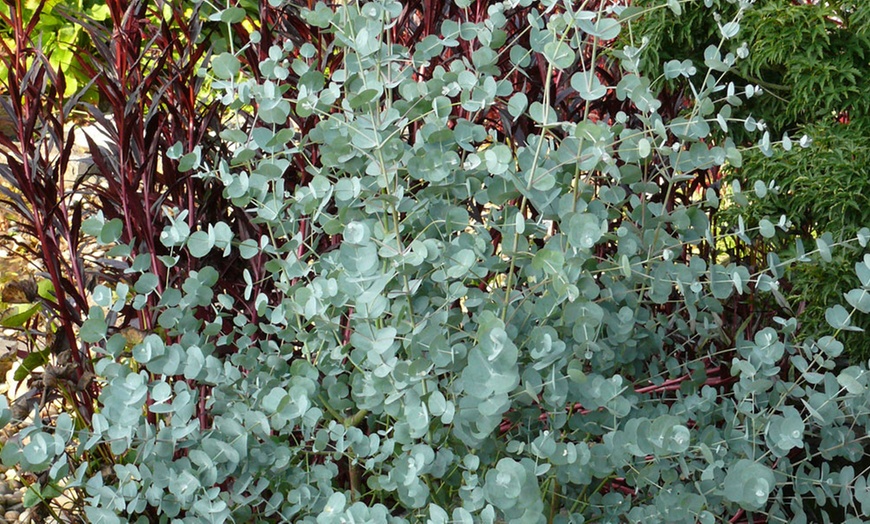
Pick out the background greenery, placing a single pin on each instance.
(430, 261)
(811, 60)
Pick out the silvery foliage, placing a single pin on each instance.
(414, 372)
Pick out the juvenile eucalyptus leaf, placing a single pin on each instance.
(232, 15)
(588, 85)
(839, 318)
(603, 28)
(859, 299)
(766, 228)
(94, 328)
(585, 230)
(225, 66)
(559, 54)
(517, 104)
(749, 484)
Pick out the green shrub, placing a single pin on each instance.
(468, 320)
(823, 190)
(810, 57)
(58, 37)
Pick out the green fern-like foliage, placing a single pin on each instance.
(826, 188)
(812, 60)
(808, 60)
(829, 182)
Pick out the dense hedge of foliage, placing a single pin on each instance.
(810, 57)
(420, 261)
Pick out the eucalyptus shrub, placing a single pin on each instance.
(464, 328)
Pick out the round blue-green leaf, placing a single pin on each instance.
(839, 318)
(862, 269)
(604, 28)
(587, 84)
(275, 400)
(190, 160)
(334, 506)
(175, 233)
(195, 363)
(429, 47)
(520, 56)
(749, 484)
(549, 260)
(853, 380)
(505, 483)
(730, 30)
(93, 329)
(859, 299)
(541, 179)
(824, 249)
(559, 54)
(787, 431)
(830, 346)
(760, 189)
(721, 283)
(101, 516)
(249, 248)
(169, 318)
(64, 427)
(356, 233)
(347, 189)
(517, 104)
(644, 148)
(673, 69)
(364, 97)
(149, 349)
(462, 516)
(111, 231)
(177, 148)
(223, 235)
(320, 17)
(498, 159)
(679, 439)
(766, 228)
(461, 263)
(225, 66)
(232, 15)
(625, 266)
(437, 403)
(102, 296)
(584, 230)
(161, 392)
(437, 515)
(199, 244)
(146, 284)
(40, 449)
(542, 114)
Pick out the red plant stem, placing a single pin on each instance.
(303, 233)
(48, 243)
(347, 329)
(203, 410)
(618, 484)
(673, 384)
